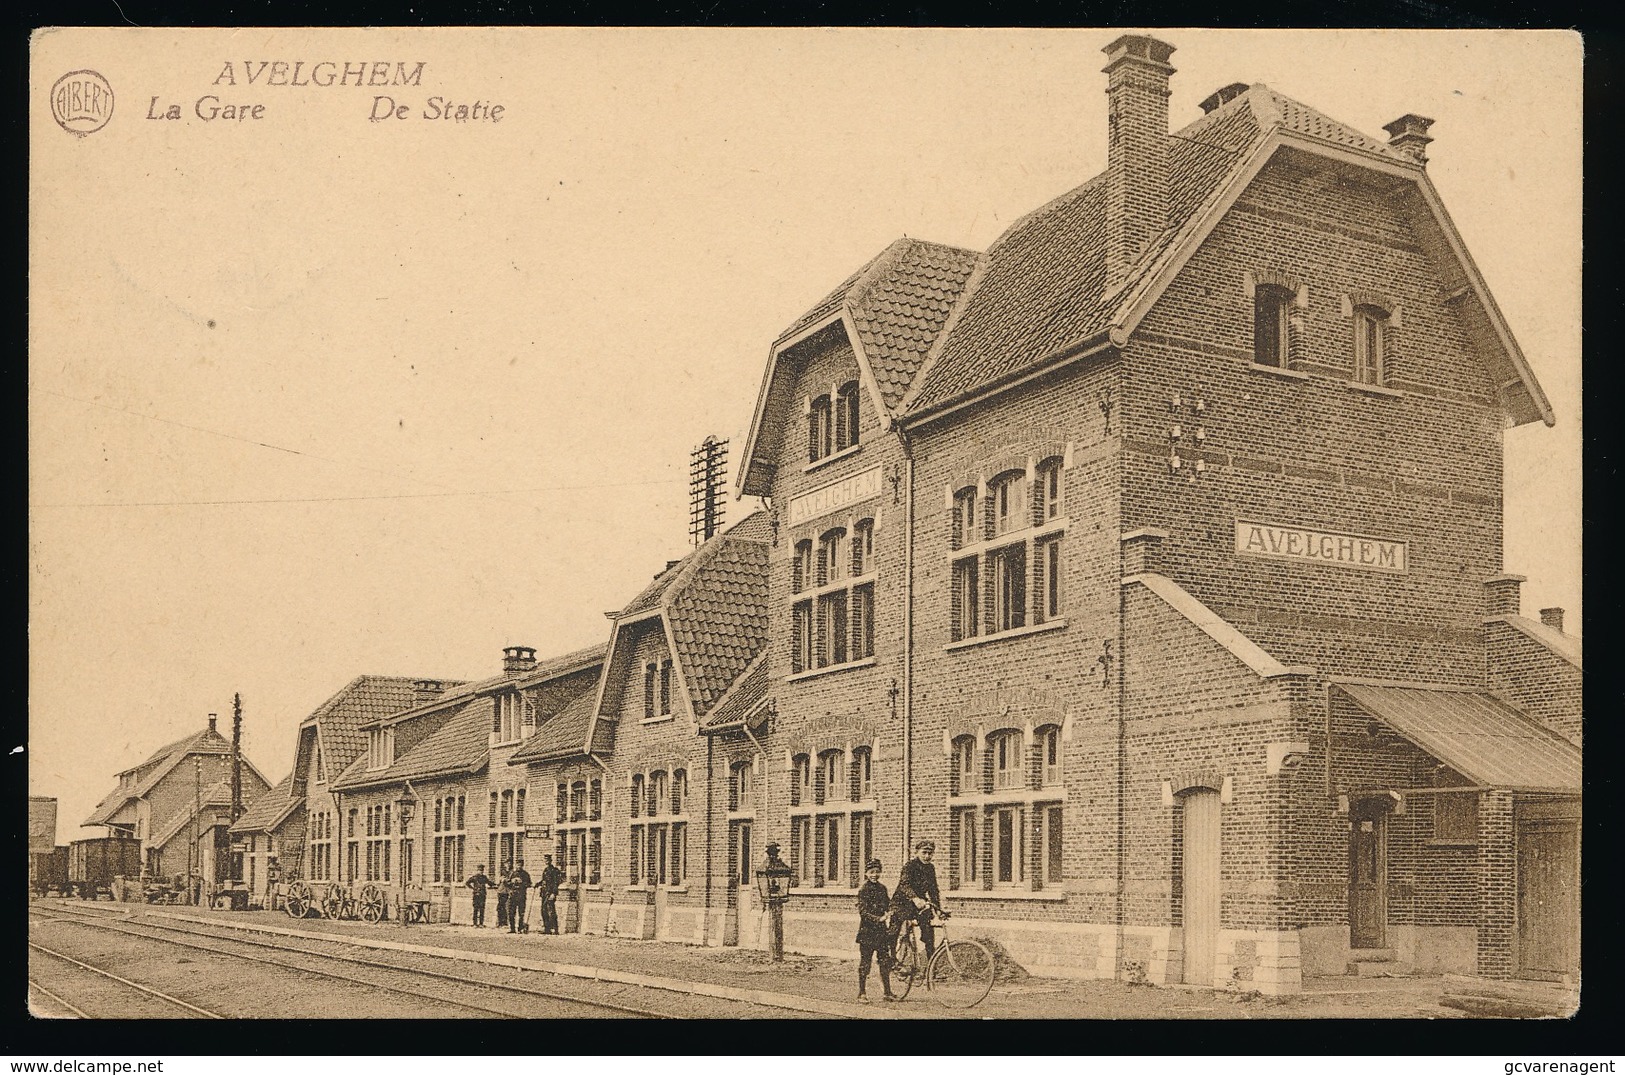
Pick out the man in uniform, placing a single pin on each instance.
(917, 895)
(519, 882)
(875, 935)
(503, 888)
(549, 883)
(479, 883)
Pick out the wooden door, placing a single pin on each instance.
(1548, 897)
(1200, 849)
(1368, 876)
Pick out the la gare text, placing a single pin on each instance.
(386, 108)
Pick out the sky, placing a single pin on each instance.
(312, 396)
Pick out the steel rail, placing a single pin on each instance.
(206, 1013)
(41, 989)
(96, 921)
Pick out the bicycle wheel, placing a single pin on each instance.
(905, 967)
(961, 974)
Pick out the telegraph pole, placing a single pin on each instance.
(707, 469)
(195, 858)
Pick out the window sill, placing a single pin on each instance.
(661, 719)
(1453, 845)
(1279, 371)
(1004, 894)
(849, 450)
(813, 673)
(1053, 793)
(1373, 389)
(1001, 636)
(741, 815)
(862, 806)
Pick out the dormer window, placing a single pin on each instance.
(820, 429)
(509, 714)
(1370, 343)
(1272, 325)
(846, 416)
(380, 748)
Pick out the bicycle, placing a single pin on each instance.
(959, 974)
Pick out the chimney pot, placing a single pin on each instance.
(211, 723)
(518, 659)
(1502, 595)
(1136, 151)
(1224, 96)
(1553, 618)
(426, 690)
(1409, 135)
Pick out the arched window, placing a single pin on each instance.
(637, 795)
(833, 626)
(1009, 761)
(595, 802)
(846, 415)
(831, 776)
(863, 787)
(561, 803)
(831, 565)
(1049, 754)
(740, 791)
(820, 432)
(1009, 495)
(1050, 486)
(679, 789)
(800, 780)
(1272, 325)
(801, 567)
(863, 547)
(965, 529)
(966, 778)
(578, 800)
(1370, 343)
(659, 792)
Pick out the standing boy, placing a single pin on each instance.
(875, 936)
(479, 883)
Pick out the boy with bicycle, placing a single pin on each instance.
(917, 896)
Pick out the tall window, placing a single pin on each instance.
(1008, 572)
(352, 847)
(1272, 309)
(319, 838)
(966, 779)
(657, 689)
(741, 810)
(1009, 761)
(1049, 754)
(379, 831)
(846, 415)
(801, 781)
(380, 748)
(649, 689)
(578, 836)
(509, 715)
(820, 430)
(1009, 844)
(863, 784)
(831, 817)
(505, 842)
(665, 687)
(660, 839)
(741, 797)
(449, 838)
(1370, 343)
(834, 623)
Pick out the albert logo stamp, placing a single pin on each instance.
(82, 102)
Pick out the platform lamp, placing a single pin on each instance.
(407, 804)
(773, 879)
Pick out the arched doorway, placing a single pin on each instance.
(1199, 862)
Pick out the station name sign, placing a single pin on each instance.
(835, 496)
(1358, 551)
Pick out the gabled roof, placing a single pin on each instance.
(157, 766)
(339, 720)
(564, 735)
(892, 311)
(1042, 297)
(217, 795)
(1563, 645)
(270, 810)
(742, 701)
(459, 746)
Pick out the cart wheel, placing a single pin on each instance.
(905, 964)
(333, 902)
(372, 904)
(299, 900)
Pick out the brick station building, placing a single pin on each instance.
(1150, 563)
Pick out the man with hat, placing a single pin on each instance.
(917, 895)
(875, 935)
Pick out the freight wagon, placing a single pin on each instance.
(92, 864)
(48, 871)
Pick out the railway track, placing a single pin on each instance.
(237, 947)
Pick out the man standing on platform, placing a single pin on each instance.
(479, 883)
(504, 887)
(551, 878)
(519, 881)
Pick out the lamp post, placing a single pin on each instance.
(773, 880)
(406, 805)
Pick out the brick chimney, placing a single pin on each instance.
(1142, 550)
(517, 660)
(211, 724)
(1136, 151)
(1409, 135)
(1221, 97)
(1553, 618)
(425, 691)
(1502, 597)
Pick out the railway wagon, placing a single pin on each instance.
(48, 871)
(92, 864)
